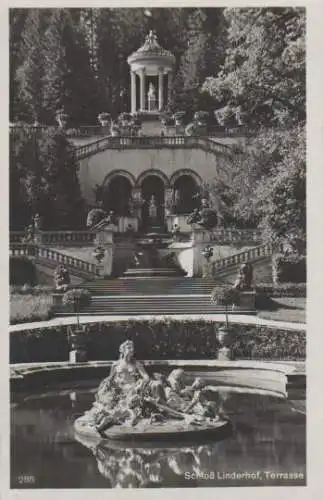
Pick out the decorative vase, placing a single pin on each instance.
(61, 119)
(223, 336)
(78, 344)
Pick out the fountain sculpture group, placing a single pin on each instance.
(129, 404)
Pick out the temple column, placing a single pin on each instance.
(142, 89)
(170, 86)
(137, 202)
(133, 92)
(160, 89)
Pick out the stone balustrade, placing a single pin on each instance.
(48, 254)
(217, 235)
(180, 220)
(264, 250)
(148, 142)
(226, 235)
(68, 238)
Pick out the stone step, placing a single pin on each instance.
(124, 305)
(153, 286)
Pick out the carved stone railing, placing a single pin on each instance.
(226, 235)
(41, 254)
(151, 142)
(57, 237)
(265, 250)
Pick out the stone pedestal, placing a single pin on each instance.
(247, 300)
(207, 270)
(77, 356)
(224, 354)
(104, 239)
(57, 299)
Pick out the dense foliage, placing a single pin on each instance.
(244, 66)
(29, 306)
(289, 268)
(77, 58)
(262, 85)
(43, 180)
(158, 340)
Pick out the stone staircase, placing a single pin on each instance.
(51, 258)
(154, 296)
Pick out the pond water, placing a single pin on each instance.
(266, 446)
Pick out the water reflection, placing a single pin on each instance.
(267, 435)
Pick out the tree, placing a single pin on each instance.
(30, 73)
(69, 82)
(225, 296)
(77, 298)
(262, 81)
(281, 196)
(21, 152)
(17, 19)
(62, 204)
(43, 179)
(199, 58)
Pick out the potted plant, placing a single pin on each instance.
(95, 216)
(61, 118)
(226, 296)
(77, 298)
(200, 117)
(115, 129)
(178, 117)
(104, 119)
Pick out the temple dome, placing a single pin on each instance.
(151, 55)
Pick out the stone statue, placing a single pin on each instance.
(129, 397)
(29, 234)
(244, 279)
(152, 209)
(62, 278)
(151, 97)
(37, 222)
(151, 91)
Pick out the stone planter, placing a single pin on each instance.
(78, 344)
(247, 300)
(224, 337)
(57, 298)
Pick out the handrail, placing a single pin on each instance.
(43, 253)
(86, 236)
(147, 142)
(231, 235)
(264, 250)
(51, 237)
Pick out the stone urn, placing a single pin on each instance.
(61, 119)
(99, 254)
(224, 337)
(104, 119)
(207, 253)
(78, 345)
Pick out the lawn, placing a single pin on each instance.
(291, 309)
(25, 307)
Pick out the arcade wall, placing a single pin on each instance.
(136, 163)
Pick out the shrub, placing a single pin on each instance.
(289, 268)
(168, 339)
(22, 271)
(281, 289)
(225, 296)
(31, 290)
(26, 308)
(77, 299)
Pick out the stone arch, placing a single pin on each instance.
(123, 173)
(117, 192)
(185, 171)
(152, 172)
